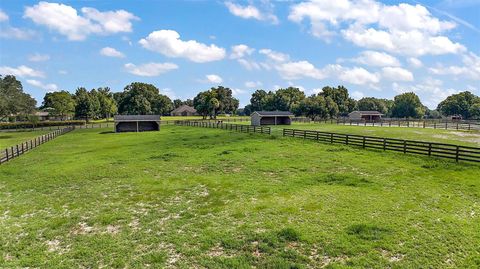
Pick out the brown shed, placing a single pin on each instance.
(136, 123)
(184, 110)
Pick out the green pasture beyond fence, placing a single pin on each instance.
(226, 126)
(450, 151)
(19, 149)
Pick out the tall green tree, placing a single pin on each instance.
(289, 98)
(407, 105)
(464, 103)
(108, 105)
(314, 107)
(86, 104)
(372, 104)
(13, 100)
(61, 103)
(341, 97)
(143, 99)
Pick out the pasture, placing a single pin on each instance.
(12, 138)
(189, 197)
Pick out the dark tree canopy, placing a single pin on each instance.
(87, 105)
(407, 105)
(465, 104)
(143, 99)
(215, 101)
(13, 101)
(341, 97)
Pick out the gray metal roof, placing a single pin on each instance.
(183, 108)
(136, 118)
(274, 113)
(368, 112)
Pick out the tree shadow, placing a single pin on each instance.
(107, 132)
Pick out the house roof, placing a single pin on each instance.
(42, 113)
(184, 108)
(274, 113)
(367, 112)
(136, 118)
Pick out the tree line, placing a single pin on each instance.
(141, 98)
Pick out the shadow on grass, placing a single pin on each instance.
(107, 132)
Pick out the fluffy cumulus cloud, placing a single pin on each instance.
(404, 29)
(212, 78)
(168, 43)
(358, 76)
(37, 57)
(111, 52)
(300, 69)
(250, 12)
(431, 91)
(375, 58)
(397, 74)
(3, 16)
(470, 68)
(240, 51)
(21, 71)
(10, 32)
(47, 87)
(150, 69)
(274, 55)
(415, 62)
(67, 21)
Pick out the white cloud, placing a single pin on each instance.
(358, 76)
(212, 78)
(402, 29)
(300, 69)
(274, 55)
(357, 95)
(375, 58)
(111, 52)
(415, 62)
(21, 71)
(168, 43)
(253, 84)
(48, 87)
(16, 33)
(65, 20)
(150, 69)
(237, 91)
(168, 92)
(431, 91)
(239, 51)
(250, 12)
(397, 74)
(3, 16)
(37, 57)
(470, 69)
(252, 65)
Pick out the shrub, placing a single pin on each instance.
(29, 125)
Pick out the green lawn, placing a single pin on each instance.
(189, 197)
(8, 139)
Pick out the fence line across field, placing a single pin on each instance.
(19, 149)
(450, 151)
(227, 126)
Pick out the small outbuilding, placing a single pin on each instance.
(365, 115)
(136, 123)
(184, 110)
(271, 118)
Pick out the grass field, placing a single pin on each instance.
(190, 197)
(8, 139)
(466, 138)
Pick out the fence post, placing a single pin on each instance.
(364, 138)
(331, 138)
(429, 149)
(404, 146)
(346, 140)
(6, 152)
(18, 150)
(456, 153)
(384, 144)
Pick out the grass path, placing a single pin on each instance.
(8, 139)
(189, 197)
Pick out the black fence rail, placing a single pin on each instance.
(456, 152)
(435, 124)
(19, 149)
(227, 126)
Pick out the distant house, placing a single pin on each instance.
(365, 115)
(136, 123)
(271, 118)
(184, 110)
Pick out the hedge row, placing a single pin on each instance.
(40, 124)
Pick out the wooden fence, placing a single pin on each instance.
(456, 152)
(17, 150)
(435, 124)
(227, 126)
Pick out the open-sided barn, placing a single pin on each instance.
(271, 118)
(136, 123)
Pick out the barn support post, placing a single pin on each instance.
(137, 126)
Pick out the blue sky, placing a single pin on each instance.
(374, 48)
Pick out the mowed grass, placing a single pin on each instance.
(466, 138)
(8, 139)
(189, 197)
